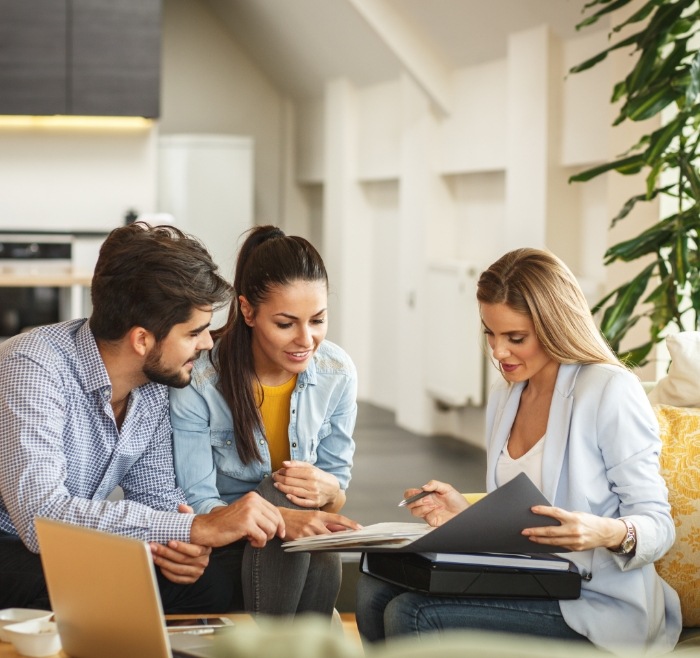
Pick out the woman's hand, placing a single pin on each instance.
(305, 523)
(579, 531)
(441, 505)
(306, 485)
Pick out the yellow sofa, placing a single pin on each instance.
(680, 466)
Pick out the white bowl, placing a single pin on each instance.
(16, 615)
(36, 638)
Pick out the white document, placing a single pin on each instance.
(377, 535)
(513, 560)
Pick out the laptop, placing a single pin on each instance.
(105, 596)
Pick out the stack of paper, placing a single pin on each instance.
(511, 560)
(378, 535)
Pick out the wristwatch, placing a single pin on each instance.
(629, 543)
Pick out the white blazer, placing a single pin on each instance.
(601, 455)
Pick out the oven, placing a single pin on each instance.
(33, 271)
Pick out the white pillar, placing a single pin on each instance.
(418, 182)
(346, 236)
(532, 136)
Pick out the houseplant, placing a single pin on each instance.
(665, 77)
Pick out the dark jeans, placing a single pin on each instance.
(280, 583)
(22, 582)
(385, 610)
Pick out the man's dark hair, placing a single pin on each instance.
(152, 277)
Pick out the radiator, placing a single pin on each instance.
(455, 371)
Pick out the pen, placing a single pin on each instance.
(414, 498)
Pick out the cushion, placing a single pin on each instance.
(680, 467)
(681, 387)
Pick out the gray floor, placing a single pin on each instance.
(389, 460)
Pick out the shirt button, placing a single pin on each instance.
(265, 475)
(301, 386)
(293, 411)
(294, 445)
(228, 443)
(262, 441)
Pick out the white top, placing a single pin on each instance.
(530, 463)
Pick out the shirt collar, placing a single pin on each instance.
(91, 364)
(308, 376)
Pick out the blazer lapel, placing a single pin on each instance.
(558, 423)
(503, 421)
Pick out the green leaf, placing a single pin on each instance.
(632, 202)
(661, 138)
(659, 293)
(684, 24)
(664, 67)
(652, 179)
(692, 176)
(639, 15)
(640, 75)
(619, 90)
(645, 243)
(594, 18)
(630, 165)
(647, 105)
(613, 6)
(619, 315)
(602, 55)
(693, 88)
(636, 356)
(679, 257)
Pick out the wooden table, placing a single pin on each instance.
(7, 650)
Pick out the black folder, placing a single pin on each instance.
(418, 573)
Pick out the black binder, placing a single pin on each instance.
(418, 573)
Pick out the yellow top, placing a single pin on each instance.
(274, 412)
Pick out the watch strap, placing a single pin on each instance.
(629, 543)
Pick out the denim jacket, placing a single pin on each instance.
(323, 411)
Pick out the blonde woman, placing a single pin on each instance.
(577, 422)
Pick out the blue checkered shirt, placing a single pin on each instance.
(61, 453)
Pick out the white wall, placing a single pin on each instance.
(75, 179)
(378, 179)
(490, 176)
(209, 85)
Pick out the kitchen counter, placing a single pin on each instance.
(77, 234)
(52, 280)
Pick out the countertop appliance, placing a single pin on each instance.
(23, 255)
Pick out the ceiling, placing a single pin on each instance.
(300, 44)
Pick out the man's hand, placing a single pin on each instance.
(307, 485)
(306, 523)
(250, 517)
(181, 562)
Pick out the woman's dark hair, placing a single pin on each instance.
(268, 259)
(151, 277)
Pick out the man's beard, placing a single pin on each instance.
(159, 374)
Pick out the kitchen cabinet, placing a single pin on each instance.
(80, 57)
(33, 51)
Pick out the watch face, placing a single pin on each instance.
(630, 541)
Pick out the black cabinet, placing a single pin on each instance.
(80, 57)
(33, 52)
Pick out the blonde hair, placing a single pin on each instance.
(536, 283)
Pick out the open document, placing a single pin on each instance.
(378, 535)
(492, 525)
